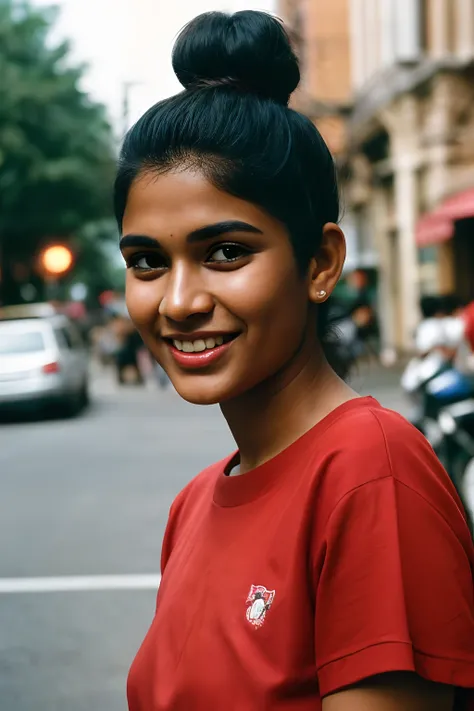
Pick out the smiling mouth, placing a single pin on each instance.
(200, 345)
(200, 352)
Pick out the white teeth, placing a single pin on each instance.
(199, 345)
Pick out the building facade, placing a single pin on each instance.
(411, 150)
(322, 34)
(390, 84)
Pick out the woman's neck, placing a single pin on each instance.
(267, 419)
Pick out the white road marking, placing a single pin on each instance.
(79, 583)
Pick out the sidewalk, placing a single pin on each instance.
(367, 379)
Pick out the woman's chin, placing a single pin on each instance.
(201, 392)
(198, 399)
(197, 395)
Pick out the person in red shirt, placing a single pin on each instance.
(327, 563)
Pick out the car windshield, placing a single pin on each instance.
(22, 342)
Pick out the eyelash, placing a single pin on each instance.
(132, 262)
(244, 252)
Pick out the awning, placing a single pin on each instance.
(438, 226)
(433, 229)
(458, 207)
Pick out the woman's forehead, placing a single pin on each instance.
(184, 201)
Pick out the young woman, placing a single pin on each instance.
(327, 563)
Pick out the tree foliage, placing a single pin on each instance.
(98, 262)
(56, 147)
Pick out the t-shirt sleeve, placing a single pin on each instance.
(395, 591)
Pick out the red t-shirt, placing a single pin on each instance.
(345, 556)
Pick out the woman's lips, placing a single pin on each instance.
(200, 359)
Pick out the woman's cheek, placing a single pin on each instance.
(270, 299)
(257, 289)
(142, 303)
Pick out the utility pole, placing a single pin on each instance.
(127, 87)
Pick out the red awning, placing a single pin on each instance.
(433, 229)
(438, 226)
(458, 207)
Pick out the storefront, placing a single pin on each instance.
(445, 238)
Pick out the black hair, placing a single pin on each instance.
(431, 305)
(451, 303)
(233, 124)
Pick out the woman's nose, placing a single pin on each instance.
(185, 295)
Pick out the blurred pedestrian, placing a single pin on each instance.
(365, 320)
(327, 563)
(429, 333)
(104, 344)
(126, 355)
(441, 328)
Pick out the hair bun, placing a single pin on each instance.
(249, 49)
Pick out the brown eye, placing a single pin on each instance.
(226, 253)
(146, 262)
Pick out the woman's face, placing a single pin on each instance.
(212, 286)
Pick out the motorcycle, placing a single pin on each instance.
(443, 410)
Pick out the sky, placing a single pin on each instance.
(129, 42)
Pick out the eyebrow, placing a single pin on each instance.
(200, 235)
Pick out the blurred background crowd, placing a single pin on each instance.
(390, 85)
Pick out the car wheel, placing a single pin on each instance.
(84, 396)
(75, 403)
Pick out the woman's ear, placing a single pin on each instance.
(326, 267)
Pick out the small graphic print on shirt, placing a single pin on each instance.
(259, 601)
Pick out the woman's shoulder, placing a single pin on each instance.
(371, 443)
(368, 433)
(363, 425)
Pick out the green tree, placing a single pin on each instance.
(56, 147)
(99, 264)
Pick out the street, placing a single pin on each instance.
(86, 498)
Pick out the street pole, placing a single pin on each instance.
(127, 87)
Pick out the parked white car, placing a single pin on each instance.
(43, 361)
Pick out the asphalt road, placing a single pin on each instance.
(89, 497)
